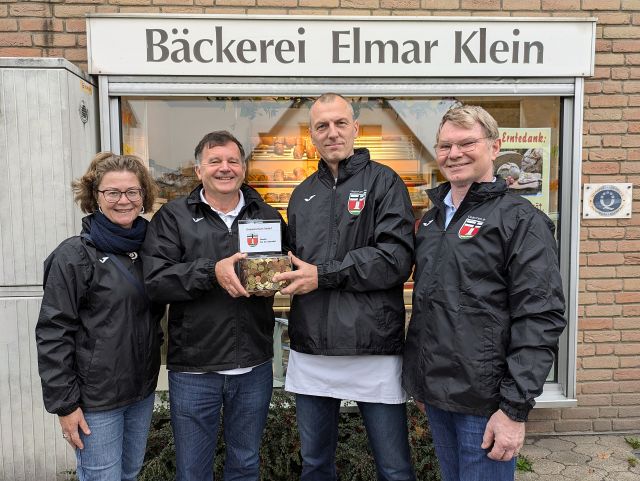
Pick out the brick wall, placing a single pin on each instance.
(609, 313)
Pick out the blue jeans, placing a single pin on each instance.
(196, 401)
(114, 451)
(386, 426)
(457, 438)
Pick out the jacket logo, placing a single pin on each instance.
(470, 227)
(307, 199)
(252, 240)
(197, 219)
(356, 201)
(426, 224)
(103, 260)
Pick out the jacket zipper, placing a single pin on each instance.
(459, 213)
(327, 258)
(230, 251)
(236, 322)
(240, 216)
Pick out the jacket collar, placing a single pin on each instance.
(250, 195)
(478, 192)
(86, 227)
(346, 168)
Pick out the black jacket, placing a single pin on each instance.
(363, 253)
(487, 304)
(208, 329)
(98, 339)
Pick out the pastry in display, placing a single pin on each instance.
(278, 175)
(278, 146)
(290, 141)
(257, 176)
(311, 151)
(299, 173)
(298, 151)
(270, 197)
(284, 197)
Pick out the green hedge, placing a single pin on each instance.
(280, 451)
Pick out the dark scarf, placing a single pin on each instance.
(111, 238)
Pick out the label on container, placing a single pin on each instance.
(259, 236)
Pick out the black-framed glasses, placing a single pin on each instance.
(113, 195)
(444, 148)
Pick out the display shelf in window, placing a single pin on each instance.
(268, 174)
(271, 183)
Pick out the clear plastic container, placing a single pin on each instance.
(256, 272)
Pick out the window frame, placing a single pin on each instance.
(570, 91)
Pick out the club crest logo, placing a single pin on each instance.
(356, 201)
(252, 240)
(470, 227)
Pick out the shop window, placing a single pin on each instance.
(399, 132)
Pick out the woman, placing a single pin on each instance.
(98, 336)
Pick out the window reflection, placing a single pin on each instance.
(399, 132)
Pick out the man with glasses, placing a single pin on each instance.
(351, 227)
(220, 339)
(487, 306)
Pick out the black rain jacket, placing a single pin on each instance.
(488, 304)
(208, 329)
(98, 339)
(358, 231)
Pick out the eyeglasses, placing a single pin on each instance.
(443, 149)
(113, 195)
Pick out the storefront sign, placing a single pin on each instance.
(340, 47)
(607, 201)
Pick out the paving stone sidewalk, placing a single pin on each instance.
(584, 458)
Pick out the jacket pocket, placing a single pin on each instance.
(94, 370)
(482, 348)
(84, 357)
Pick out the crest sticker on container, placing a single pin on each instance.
(252, 240)
(356, 202)
(470, 227)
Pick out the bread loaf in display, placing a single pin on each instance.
(270, 197)
(278, 175)
(299, 173)
(284, 197)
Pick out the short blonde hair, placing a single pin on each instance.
(85, 188)
(466, 116)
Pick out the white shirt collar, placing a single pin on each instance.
(227, 217)
(448, 200)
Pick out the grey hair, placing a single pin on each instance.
(467, 116)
